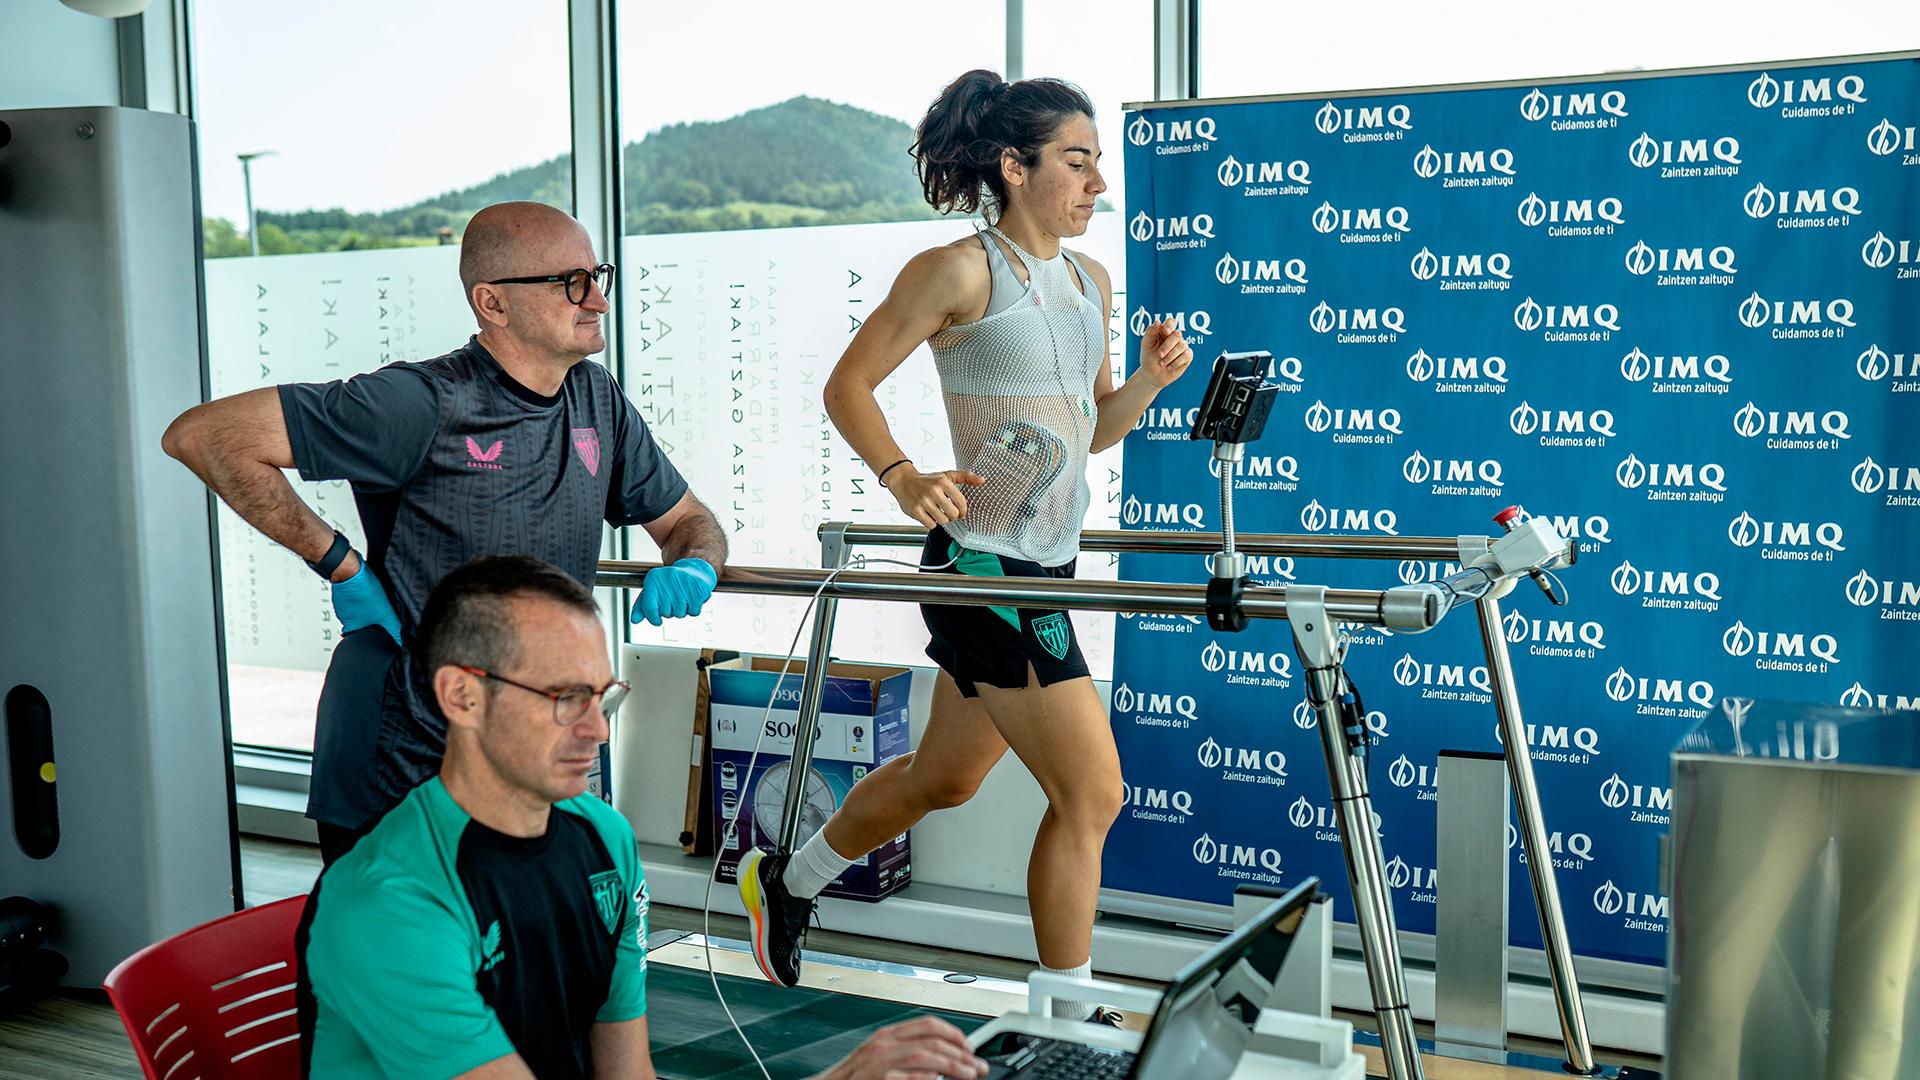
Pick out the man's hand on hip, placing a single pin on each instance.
(360, 602)
(676, 591)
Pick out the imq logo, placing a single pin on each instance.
(1886, 139)
(1242, 759)
(1642, 260)
(1421, 880)
(1135, 512)
(1365, 123)
(1637, 367)
(1740, 640)
(1591, 106)
(1159, 804)
(1877, 365)
(1672, 480)
(1858, 696)
(1623, 686)
(1762, 202)
(1236, 860)
(1461, 370)
(1757, 311)
(1594, 529)
(1880, 252)
(1321, 418)
(1765, 91)
(1185, 228)
(1559, 742)
(1325, 319)
(1328, 218)
(1476, 167)
(1530, 315)
(1582, 217)
(1317, 518)
(1192, 324)
(1746, 531)
(1629, 580)
(1643, 911)
(1145, 132)
(1422, 470)
(1617, 794)
(1521, 630)
(1897, 599)
(1750, 421)
(1871, 478)
(1289, 274)
(1408, 671)
(1292, 177)
(1261, 568)
(1152, 704)
(1685, 157)
(1526, 419)
(1325, 823)
(1579, 846)
(1426, 266)
(1403, 773)
(1217, 660)
(1306, 719)
(1254, 468)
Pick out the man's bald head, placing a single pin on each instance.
(516, 239)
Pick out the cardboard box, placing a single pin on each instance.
(863, 725)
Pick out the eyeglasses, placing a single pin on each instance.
(570, 705)
(575, 280)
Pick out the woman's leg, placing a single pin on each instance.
(1062, 735)
(957, 750)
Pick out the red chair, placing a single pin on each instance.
(216, 1001)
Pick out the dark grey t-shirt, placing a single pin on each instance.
(451, 459)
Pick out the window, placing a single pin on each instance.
(370, 132)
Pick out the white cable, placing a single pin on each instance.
(732, 824)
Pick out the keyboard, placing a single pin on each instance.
(1030, 1057)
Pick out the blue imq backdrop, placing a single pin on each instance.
(1674, 313)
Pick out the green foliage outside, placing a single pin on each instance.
(802, 162)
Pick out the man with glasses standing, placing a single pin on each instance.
(509, 444)
(494, 924)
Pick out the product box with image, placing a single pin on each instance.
(863, 725)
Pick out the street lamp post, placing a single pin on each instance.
(246, 173)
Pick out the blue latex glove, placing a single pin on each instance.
(361, 602)
(673, 592)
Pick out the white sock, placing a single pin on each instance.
(813, 867)
(1072, 1010)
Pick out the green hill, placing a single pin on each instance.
(801, 162)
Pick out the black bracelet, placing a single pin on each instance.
(890, 468)
(335, 555)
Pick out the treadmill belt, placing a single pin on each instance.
(798, 1032)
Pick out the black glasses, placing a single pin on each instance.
(570, 705)
(575, 280)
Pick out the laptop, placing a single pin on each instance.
(1200, 1028)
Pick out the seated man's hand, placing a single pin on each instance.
(673, 592)
(925, 1049)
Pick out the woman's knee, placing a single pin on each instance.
(944, 788)
(1093, 801)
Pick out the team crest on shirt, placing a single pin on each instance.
(1055, 633)
(586, 443)
(607, 897)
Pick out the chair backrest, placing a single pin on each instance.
(216, 1001)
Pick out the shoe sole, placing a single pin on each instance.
(758, 921)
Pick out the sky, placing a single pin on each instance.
(374, 104)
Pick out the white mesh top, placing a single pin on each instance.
(1018, 385)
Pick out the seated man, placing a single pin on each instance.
(494, 923)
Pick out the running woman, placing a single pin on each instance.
(1018, 329)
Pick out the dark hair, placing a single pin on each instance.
(957, 148)
(467, 619)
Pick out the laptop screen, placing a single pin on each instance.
(1207, 1015)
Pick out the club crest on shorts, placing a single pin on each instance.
(1055, 633)
(586, 443)
(607, 896)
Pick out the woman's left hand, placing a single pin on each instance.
(1164, 354)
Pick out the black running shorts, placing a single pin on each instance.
(995, 645)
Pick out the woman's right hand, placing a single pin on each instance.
(932, 499)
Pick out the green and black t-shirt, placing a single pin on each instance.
(436, 944)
